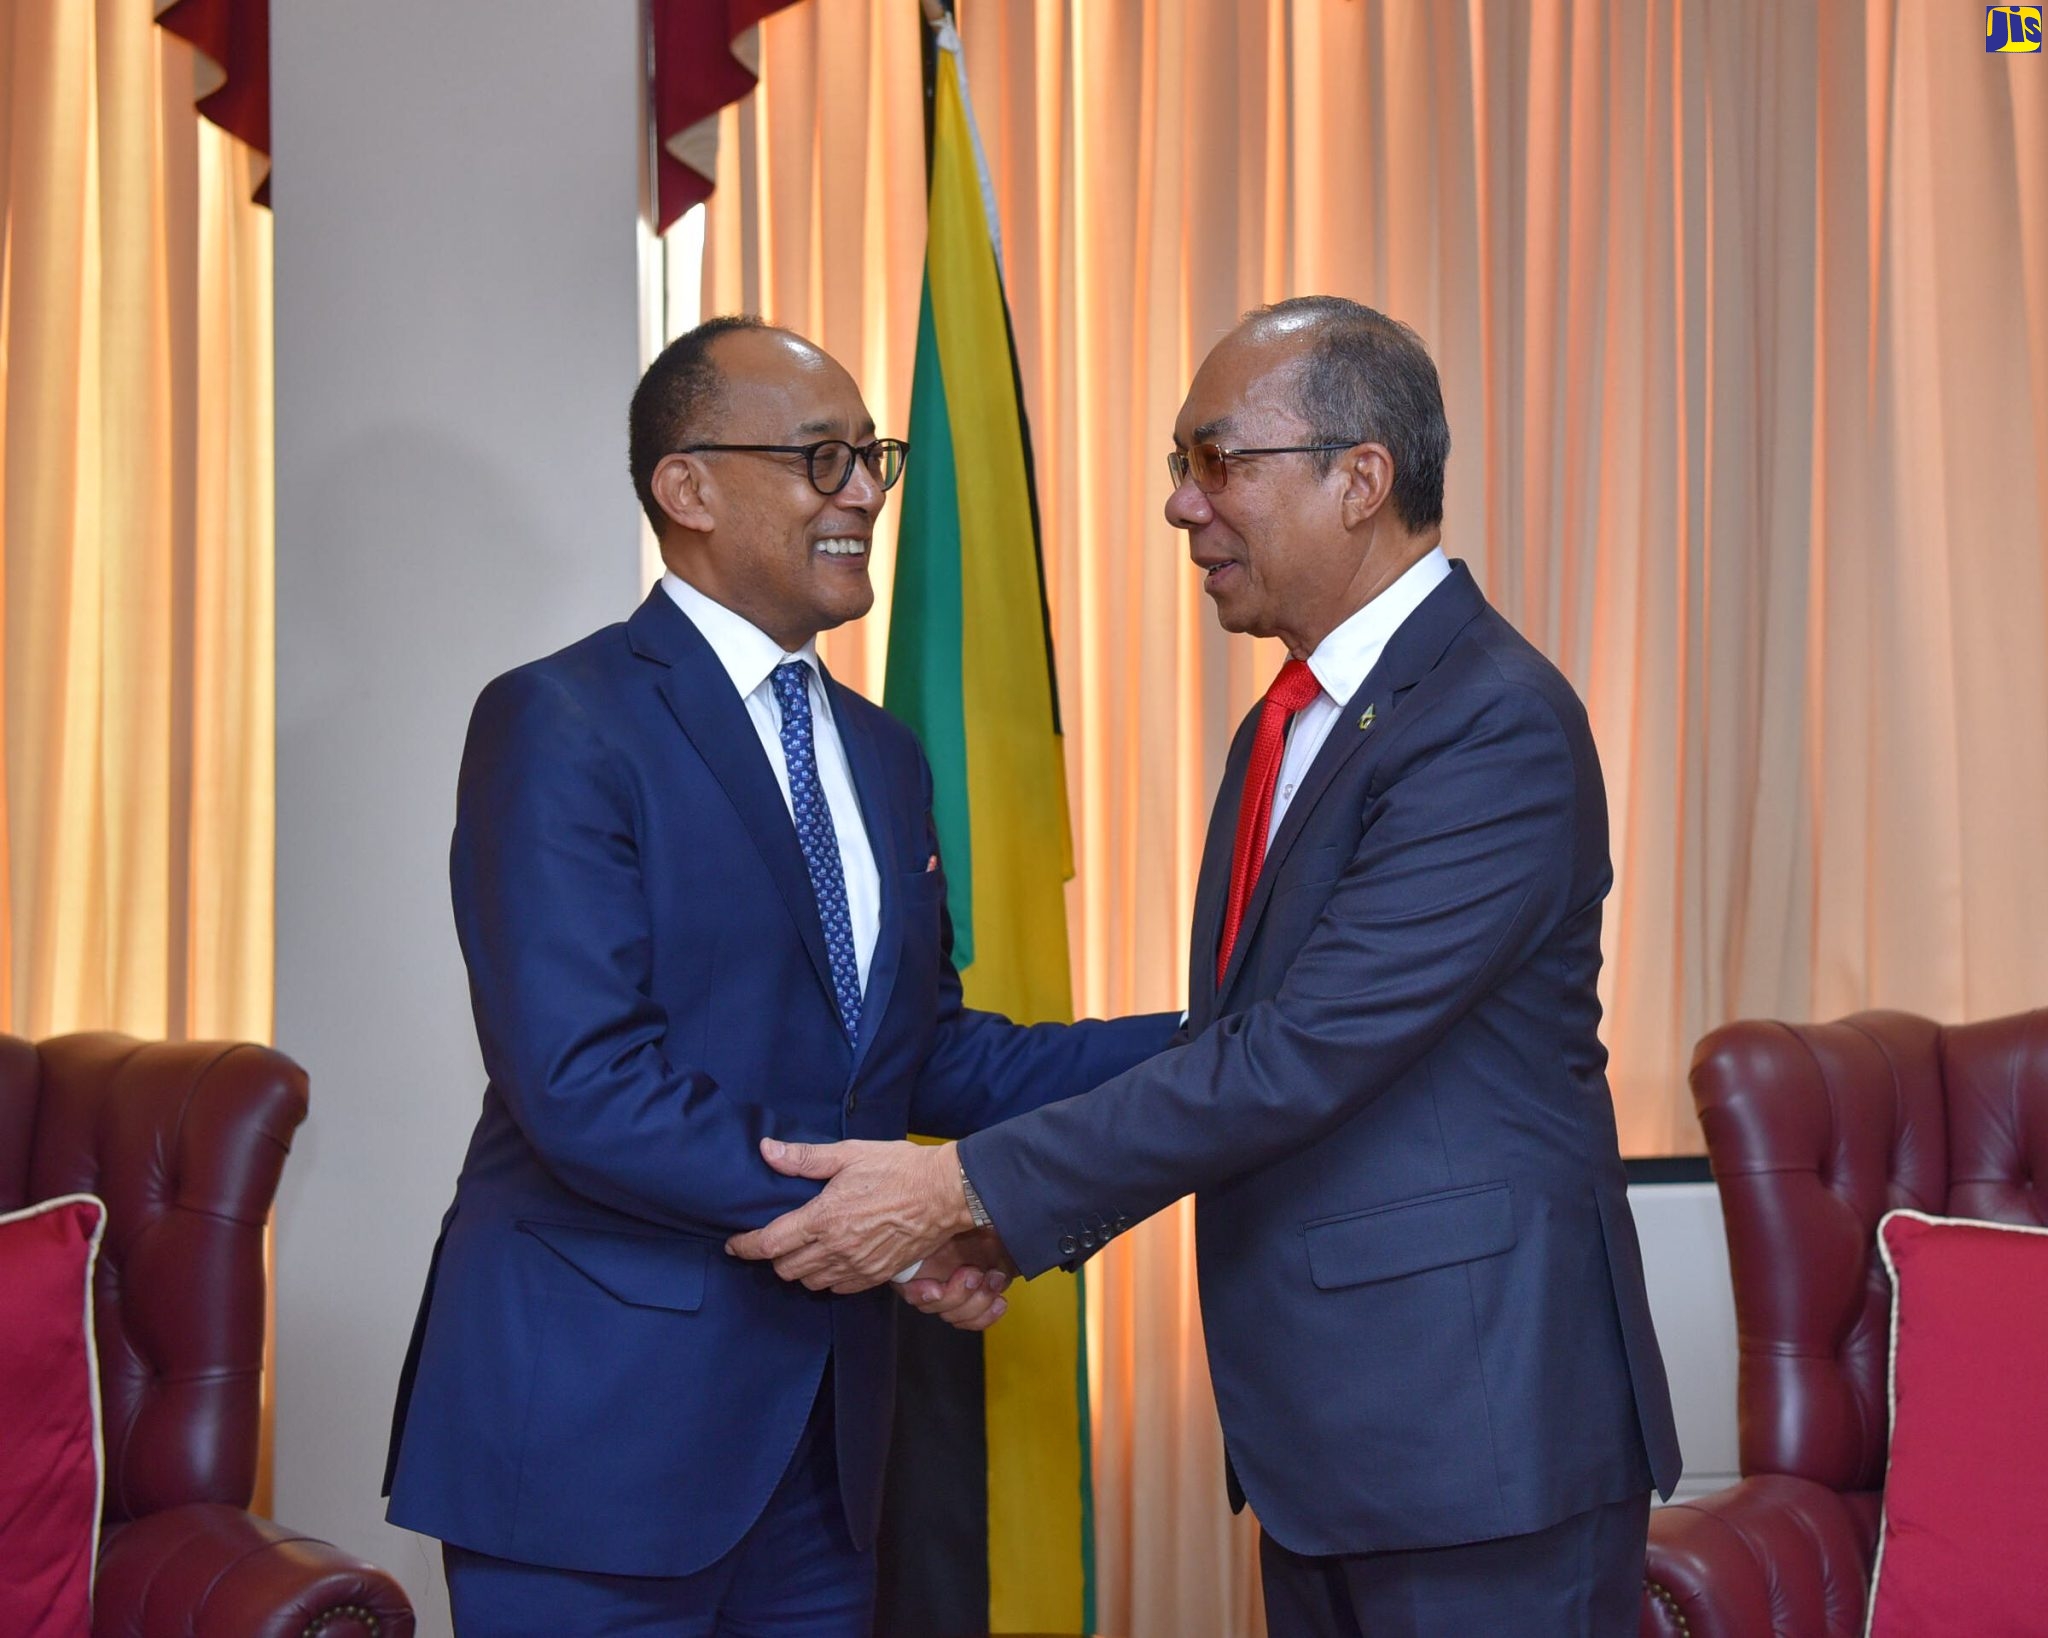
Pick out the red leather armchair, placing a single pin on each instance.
(185, 1143)
(1815, 1131)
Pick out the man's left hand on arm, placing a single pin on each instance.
(883, 1207)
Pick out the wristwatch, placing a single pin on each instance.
(975, 1208)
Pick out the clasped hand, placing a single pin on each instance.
(884, 1206)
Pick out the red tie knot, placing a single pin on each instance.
(1295, 687)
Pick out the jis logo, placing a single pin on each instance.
(2012, 28)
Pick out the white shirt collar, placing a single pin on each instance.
(1344, 659)
(747, 652)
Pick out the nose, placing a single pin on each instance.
(1187, 507)
(862, 492)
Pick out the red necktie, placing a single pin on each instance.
(1292, 689)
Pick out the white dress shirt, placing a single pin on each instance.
(750, 657)
(1341, 663)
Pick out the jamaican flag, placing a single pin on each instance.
(988, 1524)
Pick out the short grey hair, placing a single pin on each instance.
(1369, 379)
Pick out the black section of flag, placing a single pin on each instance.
(932, 1559)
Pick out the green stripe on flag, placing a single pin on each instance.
(923, 684)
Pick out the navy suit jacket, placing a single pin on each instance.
(592, 1383)
(1420, 1278)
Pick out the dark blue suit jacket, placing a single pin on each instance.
(592, 1383)
(1420, 1278)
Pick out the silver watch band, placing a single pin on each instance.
(975, 1208)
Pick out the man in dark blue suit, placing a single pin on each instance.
(1421, 1284)
(697, 886)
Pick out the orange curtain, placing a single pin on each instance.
(818, 219)
(1742, 316)
(136, 719)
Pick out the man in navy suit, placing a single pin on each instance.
(697, 886)
(1420, 1279)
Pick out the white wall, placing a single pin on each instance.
(456, 190)
(1685, 1261)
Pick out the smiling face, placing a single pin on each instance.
(1285, 551)
(749, 530)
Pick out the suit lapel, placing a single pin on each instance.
(701, 695)
(1409, 655)
(871, 787)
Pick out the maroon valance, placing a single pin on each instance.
(704, 58)
(232, 38)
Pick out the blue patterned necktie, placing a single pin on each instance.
(815, 835)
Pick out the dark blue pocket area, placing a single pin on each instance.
(646, 1270)
(1411, 1236)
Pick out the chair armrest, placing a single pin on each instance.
(212, 1571)
(1773, 1554)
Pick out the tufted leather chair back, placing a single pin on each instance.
(21, 1074)
(185, 1142)
(1816, 1131)
(1997, 1078)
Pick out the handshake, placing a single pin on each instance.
(884, 1207)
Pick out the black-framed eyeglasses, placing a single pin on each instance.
(1209, 464)
(828, 463)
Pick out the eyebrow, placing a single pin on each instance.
(826, 429)
(1211, 429)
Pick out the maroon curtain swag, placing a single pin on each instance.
(696, 73)
(233, 39)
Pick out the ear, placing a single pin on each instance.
(683, 489)
(1368, 471)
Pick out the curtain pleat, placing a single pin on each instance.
(136, 716)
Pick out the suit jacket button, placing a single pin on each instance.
(1068, 1246)
(853, 1103)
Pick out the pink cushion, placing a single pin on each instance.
(1966, 1496)
(50, 1458)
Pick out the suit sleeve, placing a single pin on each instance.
(1464, 869)
(984, 1069)
(555, 929)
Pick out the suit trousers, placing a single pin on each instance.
(794, 1574)
(1580, 1578)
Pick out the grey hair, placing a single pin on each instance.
(1368, 378)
